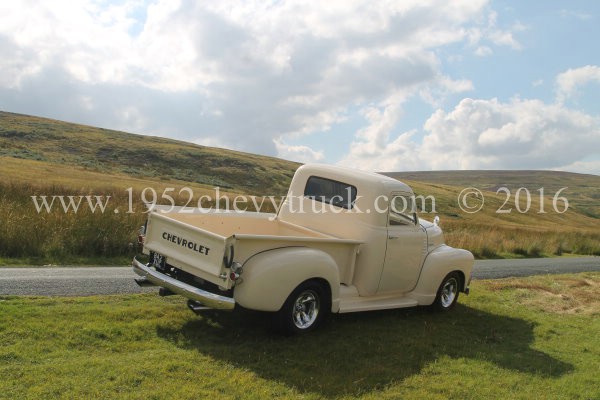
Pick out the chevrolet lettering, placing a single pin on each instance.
(185, 243)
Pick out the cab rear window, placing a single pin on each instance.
(331, 192)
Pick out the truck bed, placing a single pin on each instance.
(198, 242)
(246, 223)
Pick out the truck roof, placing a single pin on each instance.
(355, 176)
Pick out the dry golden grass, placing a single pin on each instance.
(554, 294)
(24, 232)
(447, 206)
(491, 241)
(489, 234)
(58, 236)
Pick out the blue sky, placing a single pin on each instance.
(406, 85)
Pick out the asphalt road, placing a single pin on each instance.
(87, 281)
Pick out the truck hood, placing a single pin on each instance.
(435, 236)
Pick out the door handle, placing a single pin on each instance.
(393, 237)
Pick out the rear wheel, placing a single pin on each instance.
(447, 294)
(303, 310)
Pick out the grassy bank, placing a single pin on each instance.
(57, 237)
(513, 338)
(493, 241)
(61, 237)
(35, 237)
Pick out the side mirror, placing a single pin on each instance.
(436, 221)
(416, 218)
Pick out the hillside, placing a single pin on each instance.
(583, 190)
(113, 152)
(40, 156)
(109, 152)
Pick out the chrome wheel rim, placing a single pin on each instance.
(306, 309)
(449, 291)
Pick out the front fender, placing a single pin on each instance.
(269, 277)
(439, 263)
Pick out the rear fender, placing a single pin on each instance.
(269, 277)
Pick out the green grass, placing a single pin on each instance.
(504, 341)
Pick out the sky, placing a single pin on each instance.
(377, 85)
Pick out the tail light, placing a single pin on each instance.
(141, 235)
(236, 271)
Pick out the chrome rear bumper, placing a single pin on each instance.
(193, 293)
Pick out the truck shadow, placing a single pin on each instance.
(359, 353)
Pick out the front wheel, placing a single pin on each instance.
(447, 294)
(303, 310)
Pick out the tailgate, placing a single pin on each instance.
(194, 250)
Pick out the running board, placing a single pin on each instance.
(355, 304)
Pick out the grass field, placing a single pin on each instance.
(538, 336)
(46, 157)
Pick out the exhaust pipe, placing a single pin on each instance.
(165, 292)
(197, 307)
(143, 282)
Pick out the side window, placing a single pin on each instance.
(401, 210)
(331, 192)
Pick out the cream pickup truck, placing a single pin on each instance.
(342, 241)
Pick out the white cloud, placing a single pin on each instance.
(400, 153)
(375, 147)
(302, 154)
(491, 33)
(251, 75)
(241, 73)
(439, 89)
(209, 141)
(79, 37)
(254, 75)
(505, 38)
(487, 134)
(575, 14)
(583, 167)
(483, 51)
(569, 81)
